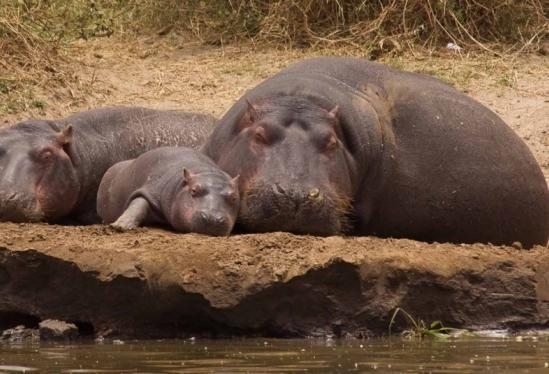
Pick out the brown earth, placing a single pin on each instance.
(157, 283)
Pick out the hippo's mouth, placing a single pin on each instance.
(213, 230)
(19, 207)
(264, 208)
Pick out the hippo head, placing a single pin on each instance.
(206, 203)
(37, 176)
(295, 172)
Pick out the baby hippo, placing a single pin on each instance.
(170, 185)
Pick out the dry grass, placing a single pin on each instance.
(27, 60)
(34, 33)
(379, 26)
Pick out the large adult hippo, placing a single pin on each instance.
(51, 169)
(333, 145)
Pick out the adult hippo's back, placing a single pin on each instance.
(340, 144)
(51, 169)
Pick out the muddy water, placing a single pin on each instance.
(466, 355)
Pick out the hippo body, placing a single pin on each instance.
(342, 144)
(50, 170)
(176, 186)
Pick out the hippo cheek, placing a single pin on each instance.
(19, 207)
(18, 201)
(181, 218)
(57, 199)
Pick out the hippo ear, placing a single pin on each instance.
(187, 177)
(65, 136)
(334, 113)
(251, 112)
(249, 116)
(235, 180)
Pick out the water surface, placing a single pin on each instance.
(529, 353)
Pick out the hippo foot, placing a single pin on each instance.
(133, 216)
(123, 226)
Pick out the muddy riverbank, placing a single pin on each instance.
(154, 283)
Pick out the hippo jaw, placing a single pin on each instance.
(38, 178)
(19, 207)
(202, 222)
(312, 211)
(213, 224)
(35, 206)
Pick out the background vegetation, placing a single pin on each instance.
(384, 24)
(33, 33)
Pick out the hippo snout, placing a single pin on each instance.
(314, 193)
(209, 218)
(209, 223)
(278, 190)
(300, 209)
(19, 207)
(297, 195)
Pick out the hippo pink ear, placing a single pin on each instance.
(65, 136)
(334, 113)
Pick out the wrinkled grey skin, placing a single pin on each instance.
(169, 185)
(50, 169)
(331, 144)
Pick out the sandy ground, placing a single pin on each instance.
(163, 74)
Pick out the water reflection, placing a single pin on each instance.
(494, 352)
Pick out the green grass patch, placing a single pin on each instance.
(418, 329)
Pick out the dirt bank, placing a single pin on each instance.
(157, 283)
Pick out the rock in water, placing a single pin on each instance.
(19, 334)
(52, 329)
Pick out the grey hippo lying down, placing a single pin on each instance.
(332, 145)
(327, 146)
(50, 170)
(169, 185)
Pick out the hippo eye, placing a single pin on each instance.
(260, 136)
(230, 196)
(45, 154)
(331, 144)
(196, 190)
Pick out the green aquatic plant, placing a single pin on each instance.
(418, 329)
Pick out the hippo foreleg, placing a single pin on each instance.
(133, 216)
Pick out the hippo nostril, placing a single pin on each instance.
(10, 196)
(314, 193)
(212, 218)
(279, 189)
